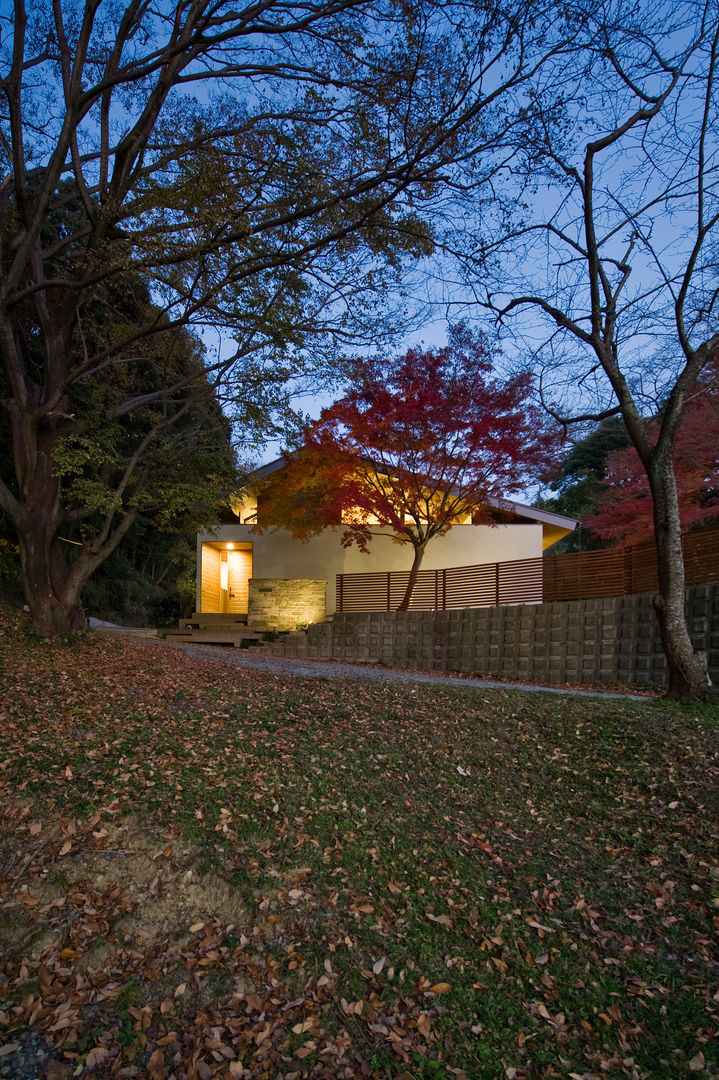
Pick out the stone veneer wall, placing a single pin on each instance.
(282, 603)
(609, 641)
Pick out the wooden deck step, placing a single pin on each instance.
(212, 622)
(221, 636)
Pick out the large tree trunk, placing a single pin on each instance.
(51, 585)
(52, 590)
(688, 675)
(412, 581)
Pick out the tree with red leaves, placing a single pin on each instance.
(626, 512)
(421, 443)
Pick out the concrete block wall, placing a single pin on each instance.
(609, 641)
(282, 603)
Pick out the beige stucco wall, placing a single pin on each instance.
(277, 555)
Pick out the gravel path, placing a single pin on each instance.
(335, 669)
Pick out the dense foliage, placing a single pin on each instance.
(139, 484)
(624, 512)
(580, 482)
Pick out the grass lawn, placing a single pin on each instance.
(210, 872)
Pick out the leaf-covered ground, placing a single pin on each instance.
(210, 872)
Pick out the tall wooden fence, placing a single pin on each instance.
(584, 575)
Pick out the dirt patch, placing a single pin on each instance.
(149, 882)
(122, 924)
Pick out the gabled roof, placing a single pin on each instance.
(547, 517)
(266, 470)
(508, 506)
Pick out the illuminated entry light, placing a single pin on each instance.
(223, 576)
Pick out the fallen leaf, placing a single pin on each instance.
(56, 1070)
(96, 1056)
(540, 926)
(424, 1025)
(156, 1061)
(443, 920)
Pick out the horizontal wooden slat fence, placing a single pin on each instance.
(516, 582)
(584, 575)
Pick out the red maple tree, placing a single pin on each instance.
(625, 511)
(421, 443)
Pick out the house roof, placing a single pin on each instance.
(545, 516)
(509, 506)
(266, 470)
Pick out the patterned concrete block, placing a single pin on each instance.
(615, 640)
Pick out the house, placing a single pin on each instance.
(279, 581)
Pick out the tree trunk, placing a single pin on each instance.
(412, 581)
(52, 590)
(51, 585)
(688, 675)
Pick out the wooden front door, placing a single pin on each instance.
(210, 589)
(239, 572)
